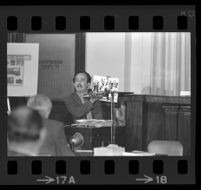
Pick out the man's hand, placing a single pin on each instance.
(96, 96)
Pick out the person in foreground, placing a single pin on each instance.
(55, 142)
(25, 132)
(78, 105)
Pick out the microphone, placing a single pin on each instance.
(77, 140)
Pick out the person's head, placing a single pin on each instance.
(40, 103)
(81, 82)
(25, 127)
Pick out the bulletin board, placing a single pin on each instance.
(22, 69)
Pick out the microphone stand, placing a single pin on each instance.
(8, 106)
(112, 118)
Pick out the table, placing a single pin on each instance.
(96, 137)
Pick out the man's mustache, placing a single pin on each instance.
(79, 85)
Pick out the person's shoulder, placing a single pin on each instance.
(72, 99)
(69, 97)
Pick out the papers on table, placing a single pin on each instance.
(110, 150)
(138, 153)
(93, 123)
(115, 150)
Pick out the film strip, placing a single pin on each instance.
(79, 170)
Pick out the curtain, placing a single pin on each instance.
(157, 63)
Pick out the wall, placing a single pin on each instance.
(56, 63)
(105, 55)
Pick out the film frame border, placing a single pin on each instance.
(48, 26)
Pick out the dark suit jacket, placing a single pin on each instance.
(55, 143)
(80, 110)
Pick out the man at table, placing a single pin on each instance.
(79, 106)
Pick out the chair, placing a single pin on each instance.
(170, 148)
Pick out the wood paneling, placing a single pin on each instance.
(184, 132)
(154, 123)
(157, 118)
(171, 118)
(134, 122)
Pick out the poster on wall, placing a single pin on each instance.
(106, 84)
(22, 69)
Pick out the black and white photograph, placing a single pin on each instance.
(10, 80)
(106, 86)
(15, 71)
(20, 62)
(99, 94)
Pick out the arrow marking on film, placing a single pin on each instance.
(147, 179)
(47, 180)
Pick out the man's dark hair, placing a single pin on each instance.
(24, 125)
(87, 74)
